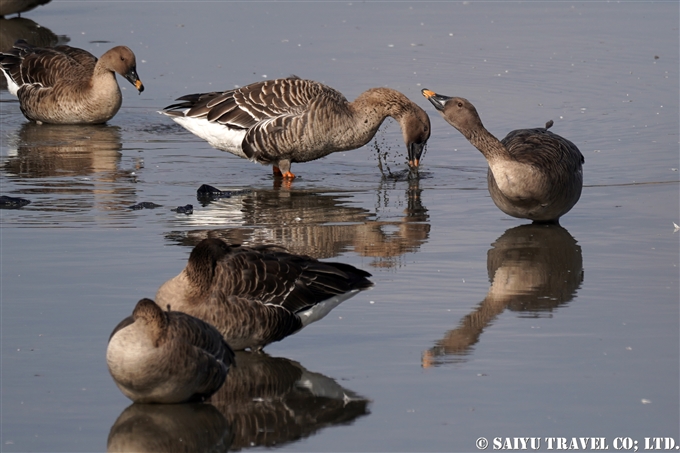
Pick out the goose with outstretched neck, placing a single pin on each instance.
(533, 173)
(278, 122)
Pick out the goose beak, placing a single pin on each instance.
(438, 100)
(415, 150)
(133, 78)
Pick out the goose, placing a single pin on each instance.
(278, 122)
(257, 295)
(67, 85)
(533, 173)
(8, 7)
(157, 356)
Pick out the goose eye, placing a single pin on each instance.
(460, 104)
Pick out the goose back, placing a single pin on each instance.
(66, 85)
(158, 356)
(258, 295)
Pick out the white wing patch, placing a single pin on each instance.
(218, 135)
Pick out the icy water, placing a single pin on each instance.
(479, 325)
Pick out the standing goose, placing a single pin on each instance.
(533, 173)
(66, 85)
(258, 295)
(157, 356)
(278, 122)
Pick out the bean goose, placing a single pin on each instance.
(278, 122)
(66, 85)
(158, 356)
(258, 295)
(533, 173)
(8, 7)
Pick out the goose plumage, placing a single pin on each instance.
(157, 356)
(533, 173)
(8, 7)
(278, 122)
(257, 295)
(67, 85)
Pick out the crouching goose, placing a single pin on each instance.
(258, 295)
(66, 85)
(278, 122)
(533, 173)
(158, 356)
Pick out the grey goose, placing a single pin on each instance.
(67, 85)
(533, 173)
(278, 122)
(257, 295)
(158, 356)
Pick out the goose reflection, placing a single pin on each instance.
(265, 401)
(318, 224)
(533, 269)
(194, 427)
(57, 153)
(22, 28)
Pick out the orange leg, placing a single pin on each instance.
(277, 172)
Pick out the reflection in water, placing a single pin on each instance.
(21, 28)
(170, 427)
(57, 153)
(265, 401)
(316, 224)
(533, 269)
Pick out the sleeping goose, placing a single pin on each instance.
(258, 295)
(533, 173)
(278, 122)
(158, 356)
(66, 85)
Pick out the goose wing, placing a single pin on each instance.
(43, 68)
(543, 149)
(273, 276)
(201, 335)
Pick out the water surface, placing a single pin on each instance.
(479, 325)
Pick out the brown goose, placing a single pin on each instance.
(533, 173)
(8, 7)
(278, 122)
(66, 85)
(258, 295)
(158, 356)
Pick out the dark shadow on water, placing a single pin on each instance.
(264, 402)
(533, 269)
(318, 224)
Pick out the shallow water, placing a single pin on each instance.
(478, 325)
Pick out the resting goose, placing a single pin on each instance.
(257, 295)
(278, 122)
(158, 356)
(533, 173)
(66, 85)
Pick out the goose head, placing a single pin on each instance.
(458, 112)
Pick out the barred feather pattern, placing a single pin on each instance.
(256, 295)
(66, 85)
(295, 120)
